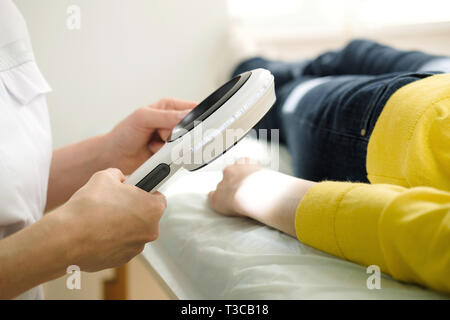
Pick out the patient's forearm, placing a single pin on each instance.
(272, 198)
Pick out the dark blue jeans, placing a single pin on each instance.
(327, 129)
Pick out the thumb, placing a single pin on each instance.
(163, 119)
(116, 174)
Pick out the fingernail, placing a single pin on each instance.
(182, 114)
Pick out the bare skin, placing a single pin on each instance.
(270, 197)
(99, 222)
(129, 144)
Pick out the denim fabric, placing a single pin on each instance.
(328, 130)
(366, 57)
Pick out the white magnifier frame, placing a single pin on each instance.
(215, 125)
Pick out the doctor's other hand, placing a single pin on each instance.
(107, 222)
(136, 138)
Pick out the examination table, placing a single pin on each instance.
(203, 255)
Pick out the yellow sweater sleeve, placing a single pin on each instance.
(410, 144)
(406, 232)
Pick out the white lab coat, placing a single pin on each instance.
(25, 137)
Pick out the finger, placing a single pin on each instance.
(164, 134)
(115, 174)
(175, 104)
(162, 119)
(211, 196)
(246, 160)
(158, 196)
(154, 146)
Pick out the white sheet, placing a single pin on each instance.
(202, 255)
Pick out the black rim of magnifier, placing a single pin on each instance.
(208, 106)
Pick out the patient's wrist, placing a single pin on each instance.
(271, 198)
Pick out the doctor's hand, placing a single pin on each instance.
(107, 222)
(144, 132)
(129, 144)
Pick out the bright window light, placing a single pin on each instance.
(332, 14)
(403, 12)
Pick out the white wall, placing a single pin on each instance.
(128, 53)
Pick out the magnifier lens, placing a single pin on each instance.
(244, 100)
(205, 108)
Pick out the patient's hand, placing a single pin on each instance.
(227, 198)
(247, 189)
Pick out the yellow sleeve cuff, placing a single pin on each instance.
(315, 217)
(342, 219)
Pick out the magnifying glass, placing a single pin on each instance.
(210, 129)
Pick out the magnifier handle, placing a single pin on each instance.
(152, 173)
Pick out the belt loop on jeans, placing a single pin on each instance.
(372, 106)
